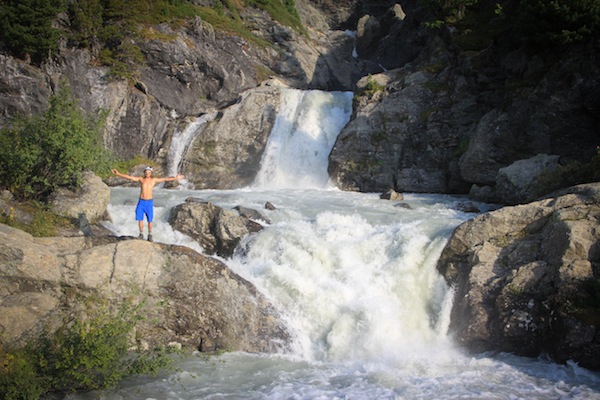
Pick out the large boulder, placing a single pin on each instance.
(228, 152)
(90, 200)
(521, 181)
(188, 298)
(526, 278)
(217, 229)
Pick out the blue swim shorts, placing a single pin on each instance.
(144, 207)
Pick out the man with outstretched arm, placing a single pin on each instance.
(146, 203)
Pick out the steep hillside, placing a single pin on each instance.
(460, 96)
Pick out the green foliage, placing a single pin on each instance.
(26, 27)
(552, 22)
(541, 22)
(372, 87)
(572, 173)
(86, 21)
(124, 60)
(113, 26)
(18, 377)
(283, 11)
(448, 11)
(42, 153)
(84, 354)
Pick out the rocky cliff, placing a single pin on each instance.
(188, 299)
(526, 278)
(449, 118)
(431, 113)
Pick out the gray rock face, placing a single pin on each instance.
(188, 298)
(90, 200)
(379, 148)
(526, 278)
(194, 70)
(228, 153)
(445, 120)
(216, 229)
(19, 79)
(520, 182)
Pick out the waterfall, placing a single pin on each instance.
(353, 276)
(304, 133)
(181, 140)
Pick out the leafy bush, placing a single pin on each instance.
(42, 153)
(448, 11)
(371, 87)
(18, 377)
(85, 354)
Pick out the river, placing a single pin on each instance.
(354, 278)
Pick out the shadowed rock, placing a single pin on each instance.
(526, 278)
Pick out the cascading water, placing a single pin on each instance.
(182, 139)
(302, 138)
(354, 278)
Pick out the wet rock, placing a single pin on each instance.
(216, 229)
(392, 195)
(251, 214)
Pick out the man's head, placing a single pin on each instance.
(148, 171)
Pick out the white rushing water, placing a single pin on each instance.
(182, 139)
(354, 279)
(304, 134)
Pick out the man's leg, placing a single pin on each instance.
(150, 216)
(139, 216)
(150, 232)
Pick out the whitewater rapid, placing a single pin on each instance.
(354, 278)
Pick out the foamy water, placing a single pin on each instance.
(354, 278)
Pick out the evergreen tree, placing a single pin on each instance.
(26, 27)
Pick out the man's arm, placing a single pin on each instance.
(169, 179)
(131, 178)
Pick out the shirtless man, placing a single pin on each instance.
(146, 203)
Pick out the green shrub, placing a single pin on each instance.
(85, 354)
(371, 87)
(571, 173)
(447, 11)
(18, 377)
(283, 11)
(42, 153)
